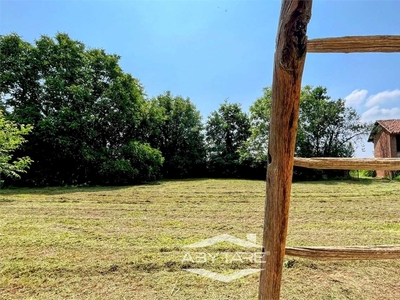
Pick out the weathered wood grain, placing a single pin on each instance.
(352, 44)
(337, 163)
(290, 56)
(346, 253)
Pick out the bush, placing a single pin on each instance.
(367, 173)
(137, 163)
(362, 173)
(396, 175)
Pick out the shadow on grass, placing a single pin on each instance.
(69, 189)
(80, 189)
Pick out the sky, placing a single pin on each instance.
(210, 51)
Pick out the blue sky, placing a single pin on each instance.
(213, 50)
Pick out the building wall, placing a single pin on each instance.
(393, 145)
(383, 148)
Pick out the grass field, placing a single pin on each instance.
(127, 242)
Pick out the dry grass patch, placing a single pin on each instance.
(127, 242)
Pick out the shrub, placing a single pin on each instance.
(367, 173)
(136, 163)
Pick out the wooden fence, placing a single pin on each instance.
(291, 48)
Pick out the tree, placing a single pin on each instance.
(254, 150)
(179, 136)
(327, 128)
(83, 107)
(11, 138)
(227, 129)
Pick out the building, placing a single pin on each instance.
(386, 138)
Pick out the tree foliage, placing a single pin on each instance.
(83, 107)
(135, 163)
(227, 129)
(327, 128)
(179, 136)
(93, 123)
(254, 150)
(11, 138)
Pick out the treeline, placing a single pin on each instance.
(94, 124)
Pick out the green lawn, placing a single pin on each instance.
(128, 242)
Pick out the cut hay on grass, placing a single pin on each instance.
(128, 242)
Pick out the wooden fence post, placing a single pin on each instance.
(290, 56)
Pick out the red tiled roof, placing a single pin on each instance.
(392, 126)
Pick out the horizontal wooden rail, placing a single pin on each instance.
(346, 253)
(349, 44)
(338, 163)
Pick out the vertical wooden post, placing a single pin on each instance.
(290, 56)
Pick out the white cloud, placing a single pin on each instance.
(356, 97)
(382, 97)
(376, 113)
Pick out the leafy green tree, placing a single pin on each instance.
(227, 129)
(11, 138)
(83, 107)
(179, 136)
(254, 150)
(327, 128)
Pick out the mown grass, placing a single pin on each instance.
(128, 242)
